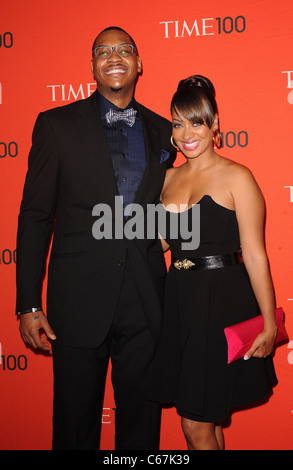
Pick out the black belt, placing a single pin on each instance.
(208, 262)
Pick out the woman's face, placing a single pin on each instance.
(193, 139)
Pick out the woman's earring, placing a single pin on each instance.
(217, 139)
(174, 143)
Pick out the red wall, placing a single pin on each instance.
(244, 47)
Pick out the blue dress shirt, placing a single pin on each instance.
(127, 150)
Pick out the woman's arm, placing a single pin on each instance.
(165, 245)
(250, 212)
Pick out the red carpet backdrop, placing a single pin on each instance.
(244, 47)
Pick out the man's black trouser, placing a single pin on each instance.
(79, 383)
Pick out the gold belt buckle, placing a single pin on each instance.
(184, 264)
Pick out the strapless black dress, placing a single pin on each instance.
(190, 368)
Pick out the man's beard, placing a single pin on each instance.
(116, 89)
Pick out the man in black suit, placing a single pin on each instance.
(104, 296)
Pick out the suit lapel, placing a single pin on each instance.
(95, 143)
(152, 148)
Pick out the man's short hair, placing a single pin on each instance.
(117, 28)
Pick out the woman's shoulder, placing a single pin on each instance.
(235, 170)
(240, 180)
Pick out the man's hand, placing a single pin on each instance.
(30, 326)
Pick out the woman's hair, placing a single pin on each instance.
(195, 100)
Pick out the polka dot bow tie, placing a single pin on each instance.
(114, 116)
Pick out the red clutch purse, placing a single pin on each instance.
(241, 335)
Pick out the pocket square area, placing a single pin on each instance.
(164, 156)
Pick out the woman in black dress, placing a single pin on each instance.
(191, 368)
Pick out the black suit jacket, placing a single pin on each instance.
(69, 172)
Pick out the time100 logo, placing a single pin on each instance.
(6, 40)
(232, 139)
(12, 362)
(9, 149)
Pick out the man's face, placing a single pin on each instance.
(115, 74)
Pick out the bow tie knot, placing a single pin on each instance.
(128, 116)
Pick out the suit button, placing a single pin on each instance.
(120, 262)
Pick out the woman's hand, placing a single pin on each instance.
(263, 344)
